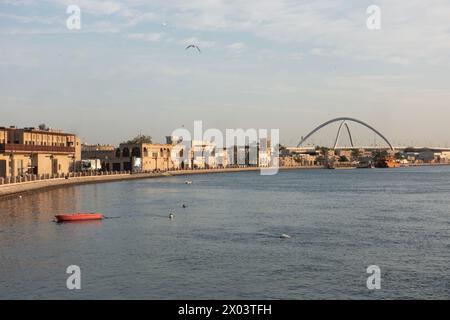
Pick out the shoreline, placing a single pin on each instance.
(29, 187)
(23, 188)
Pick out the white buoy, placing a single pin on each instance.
(171, 216)
(285, 236)
(188, 182)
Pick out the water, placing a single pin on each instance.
(226, 244)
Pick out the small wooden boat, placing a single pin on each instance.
(78, 217)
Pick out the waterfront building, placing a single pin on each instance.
(344, 153)
(222, 158)
(37, 151)
(97, 153)
(295, 150)
(431, 156)
(444, 157)
(297, 160)
(204, 154)
(141, 157)
(288, 161)
(294, 157)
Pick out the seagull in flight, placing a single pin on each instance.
(193, 46)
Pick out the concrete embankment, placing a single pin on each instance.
(15, 189)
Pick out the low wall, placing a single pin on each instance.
(8, 190)
(14, 189)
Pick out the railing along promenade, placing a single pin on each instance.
(46, 177)
(31, 182)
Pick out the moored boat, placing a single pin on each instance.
(78, 217)
(387, 162)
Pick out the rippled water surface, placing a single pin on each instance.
(226, 245)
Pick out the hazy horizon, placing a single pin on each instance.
(288, 64)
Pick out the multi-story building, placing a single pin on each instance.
(141, 157)
(97, 154)
(35, 151)
(97, 151)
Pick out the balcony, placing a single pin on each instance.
(28, 148)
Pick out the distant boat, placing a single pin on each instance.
(387, 162)
(188, 182)
(78, 217)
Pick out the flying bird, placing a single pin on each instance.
(193, 46)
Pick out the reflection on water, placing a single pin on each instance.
(226, 243)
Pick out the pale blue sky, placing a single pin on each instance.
(264, 64)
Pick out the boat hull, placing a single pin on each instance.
(387, 163)
(78, 217)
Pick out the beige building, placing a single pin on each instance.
(97, 151)
(34, 151)
(297, 160)
(141, 157)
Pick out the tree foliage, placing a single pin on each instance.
(141, 138)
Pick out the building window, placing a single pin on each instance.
(136, 152)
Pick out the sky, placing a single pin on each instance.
(287, 65)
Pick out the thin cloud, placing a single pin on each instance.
(147, 37)
(236, 48)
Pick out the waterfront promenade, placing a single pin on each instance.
(19, 188)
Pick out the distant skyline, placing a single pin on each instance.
(285, 64)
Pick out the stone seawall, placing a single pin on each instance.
(16, 189)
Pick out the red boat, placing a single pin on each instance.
(78, 217)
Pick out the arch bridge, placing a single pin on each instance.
(344, 121)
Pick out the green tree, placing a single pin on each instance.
(141, 138)
(42, 126)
